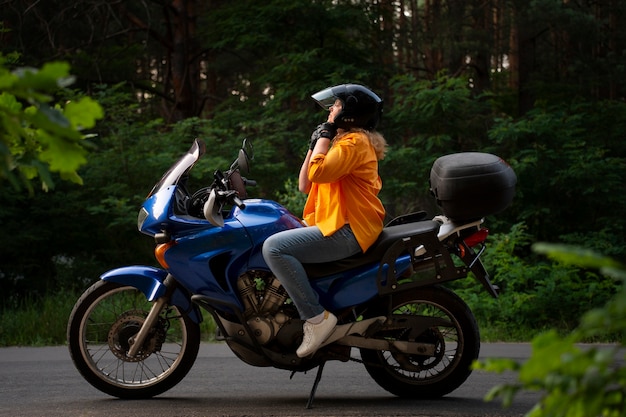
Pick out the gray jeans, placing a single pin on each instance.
(285, 252)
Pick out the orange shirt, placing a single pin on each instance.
(344, 189)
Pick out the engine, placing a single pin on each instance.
(266, 308)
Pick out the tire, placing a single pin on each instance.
(99, 327)
(455, 336)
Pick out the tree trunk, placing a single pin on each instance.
(522, 52)
(484, 39)
(184, 65)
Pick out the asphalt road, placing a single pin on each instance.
(44, 382)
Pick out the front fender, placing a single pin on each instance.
(146, 279)
(149, 281)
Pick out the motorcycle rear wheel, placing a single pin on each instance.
(456, 339)
(100, 326)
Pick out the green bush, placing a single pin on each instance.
(574, 381)
(535, 294)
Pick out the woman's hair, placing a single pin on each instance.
(379, 143)
(376, 139)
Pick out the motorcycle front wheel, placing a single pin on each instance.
(449, 326)
(100, 331)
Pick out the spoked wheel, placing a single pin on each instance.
(101, 330)
(438, 318)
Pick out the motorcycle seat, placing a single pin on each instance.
(389, 236)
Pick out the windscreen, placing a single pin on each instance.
(183, 165)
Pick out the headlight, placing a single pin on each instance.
(143, 215)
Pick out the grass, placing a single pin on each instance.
(36, 322)
(43, 321)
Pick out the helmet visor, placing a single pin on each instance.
(325, 98)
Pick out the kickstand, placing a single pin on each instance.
(318, 377)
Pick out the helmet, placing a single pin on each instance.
(361, 106)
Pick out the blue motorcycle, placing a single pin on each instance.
(136, 332)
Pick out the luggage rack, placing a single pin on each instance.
(431, 263)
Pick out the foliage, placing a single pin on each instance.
(534, 295)
(570, 153)
(292, 198)
(38, 133)
(577, 381)
(270, 57)
(93, 228)
(62, 217)
(429, 118)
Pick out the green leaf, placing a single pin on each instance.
(7, 79)
(573, 255)
(62, 155)
(83, 114)
(9, 102)
(548, 352)
(51, 121)
(55, 116)
(72, 176)
(48, 79)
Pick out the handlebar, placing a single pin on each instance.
(248, 183)
(237, 201)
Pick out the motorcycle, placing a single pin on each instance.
(135, 333)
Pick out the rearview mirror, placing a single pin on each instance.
(246, 154)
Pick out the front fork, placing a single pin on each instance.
(137, 341)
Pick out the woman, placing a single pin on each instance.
(343, 211)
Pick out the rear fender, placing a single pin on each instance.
(482, 276)
(149, 281)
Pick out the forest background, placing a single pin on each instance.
(540, 83)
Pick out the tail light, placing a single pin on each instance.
(476, 238)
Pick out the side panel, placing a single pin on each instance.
(353, 287)
(209, 262)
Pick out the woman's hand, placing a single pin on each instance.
(323, 130)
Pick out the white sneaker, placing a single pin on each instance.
(316, 334)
